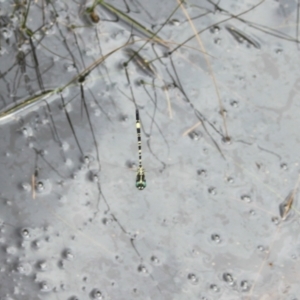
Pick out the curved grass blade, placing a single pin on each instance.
(21, 106)
(240, 36)
(132, 23)
(286, 205)
(141, 62)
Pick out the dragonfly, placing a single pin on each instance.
(140, 182)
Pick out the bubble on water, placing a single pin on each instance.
(278, 51)
(214, 288)
(174, 22)
(217, 41)
(212, 190)
(227, 277)
(193, 278)
(195, 135)
(42, 265)
(284, 166)
(45, 286)
(74, 175)
(40, 186)
(230, 180)
(70, 67)
(246, 198)
(25, 233)
(195, 252)
(8, 203)
(27, 132)
(223, 112)
(68, 254)
(24, 131)
(74, 298)
(93, 176)
(261, 248)
(123, 118)
(202, 172)
(107, 221)
(6, 33)
(234, 103)
(214, 29)
(141, 82)
(61, 264)
(97, 294)
(36, 244)
(252, 212)
(86, 159)
(155, 260)
(226, 140)
(26, 186)
(216, 238)
(275, 220)
(142, 269)
(245, 286)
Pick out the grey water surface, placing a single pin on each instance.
(219, 218)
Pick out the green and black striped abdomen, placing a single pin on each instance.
(140, 176)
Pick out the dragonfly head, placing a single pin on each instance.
(140, 182)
